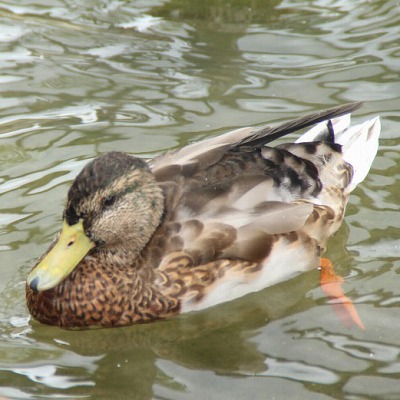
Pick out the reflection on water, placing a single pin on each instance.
(221, 341)
(82, 78)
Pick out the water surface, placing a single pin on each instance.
(82, 78)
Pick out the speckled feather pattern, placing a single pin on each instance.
(170, 234)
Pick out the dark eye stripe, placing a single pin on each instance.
(71, 216)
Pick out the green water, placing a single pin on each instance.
(81, 78)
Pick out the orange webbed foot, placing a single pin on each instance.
(331, 284)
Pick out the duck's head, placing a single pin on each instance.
(113, 206)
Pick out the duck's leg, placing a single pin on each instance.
(331, 284)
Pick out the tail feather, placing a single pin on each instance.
(359, 146)
(359, 143)
(320, 131)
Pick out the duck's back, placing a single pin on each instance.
(241, 215)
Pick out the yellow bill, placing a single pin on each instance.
(70, 248)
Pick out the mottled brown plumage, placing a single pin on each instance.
(195, 227)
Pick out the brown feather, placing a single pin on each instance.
(200, 225)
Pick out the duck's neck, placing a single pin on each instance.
(122, 257)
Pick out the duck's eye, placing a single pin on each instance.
(109, 200)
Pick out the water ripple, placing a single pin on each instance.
(81, 78)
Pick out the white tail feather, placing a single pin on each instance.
(359, 143)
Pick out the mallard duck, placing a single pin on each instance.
(201, 225)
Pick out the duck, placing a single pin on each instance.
(204, 224)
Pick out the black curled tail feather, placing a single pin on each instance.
(267, 134)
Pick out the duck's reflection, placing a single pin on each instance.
(124, 360)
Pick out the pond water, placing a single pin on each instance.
(81, 78)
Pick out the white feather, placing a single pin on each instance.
(284, 262)
(360, 143)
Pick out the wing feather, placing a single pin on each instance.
(210, 151)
